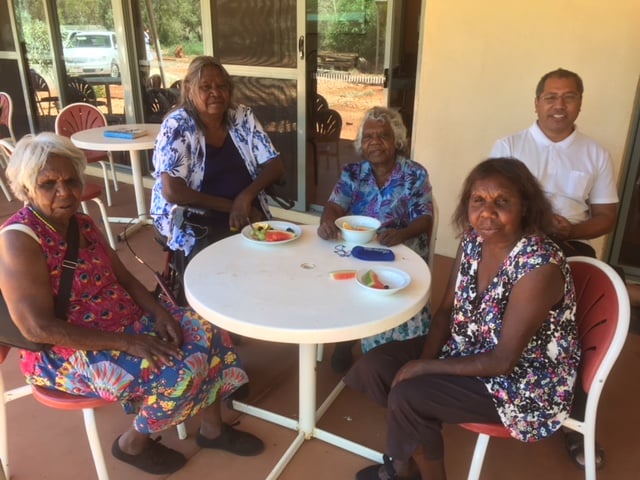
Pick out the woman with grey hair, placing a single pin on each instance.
(214, 155)
(115, 341)
(392, 188)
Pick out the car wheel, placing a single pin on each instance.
(115, 71)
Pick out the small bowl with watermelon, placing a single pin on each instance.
(358, 229)
(383, 280)
(271, 232)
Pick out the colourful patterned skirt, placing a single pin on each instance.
(209, 368)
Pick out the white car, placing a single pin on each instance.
(92, 53)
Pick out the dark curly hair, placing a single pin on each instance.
(538, 213)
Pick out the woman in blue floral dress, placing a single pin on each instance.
(163, 363)
(492, 355)
(395, 190)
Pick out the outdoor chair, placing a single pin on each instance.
(6, 147)
(61, 401)
(42, 93)
(158, 102)
(603, 321)
(320, 103)
(78, 90)
(83, 116)
(6, 117)
(6, 124)
(326, 139)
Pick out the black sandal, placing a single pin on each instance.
(234, 441)
(383, 472)
(574, 443)
(156, 458)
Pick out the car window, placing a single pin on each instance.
(89, 41)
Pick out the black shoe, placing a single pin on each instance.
(156, 458)
(574, 443)
(234, 441)
(342, 357)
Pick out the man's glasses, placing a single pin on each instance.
(567, 98)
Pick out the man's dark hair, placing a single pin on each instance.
(559, 73)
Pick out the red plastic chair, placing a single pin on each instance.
(83, 116)
(6, 147)
(6, 114)
(603, 322)
(61, 401)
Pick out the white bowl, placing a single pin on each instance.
(394, 280)
(362, 229)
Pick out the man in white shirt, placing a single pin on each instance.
(575, 171)
(577, 175)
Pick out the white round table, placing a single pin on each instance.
(94, 139)
(284, 293)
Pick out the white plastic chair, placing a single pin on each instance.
(603, 322)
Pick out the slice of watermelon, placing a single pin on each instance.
(278, 235)
(370, 279)
(342, 274)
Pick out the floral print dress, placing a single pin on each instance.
(209, 367)
(404, 197)
(534, 399)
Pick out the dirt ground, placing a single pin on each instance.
(351, 101)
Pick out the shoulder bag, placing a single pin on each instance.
(9, 333)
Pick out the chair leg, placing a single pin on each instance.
(106, 182)
(105, 219)
(94, 443)
(478, 456)
(4, 437)
(7, 396)
(319, 352)
(113, 172)
(589, 448)
(182, 431)
(5, 190)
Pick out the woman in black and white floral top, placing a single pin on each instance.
(493, 353)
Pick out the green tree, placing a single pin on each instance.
(349, 26)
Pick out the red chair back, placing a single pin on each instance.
(597, 314)
(77, 117)
(6, 112)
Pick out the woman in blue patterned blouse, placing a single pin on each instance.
(395, 190)
(491, 355)
(214, 155)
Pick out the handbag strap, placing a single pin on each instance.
(69, 265)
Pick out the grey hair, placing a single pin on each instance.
(390, 117)
(30, 157)
(190, 85)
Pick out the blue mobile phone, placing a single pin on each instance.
(373, 254)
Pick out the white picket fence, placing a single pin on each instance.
(360, 78)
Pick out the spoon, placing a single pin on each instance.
(253, 230)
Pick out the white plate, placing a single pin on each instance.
(394, 278)
(275, 225)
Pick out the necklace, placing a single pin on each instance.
(33, 210)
